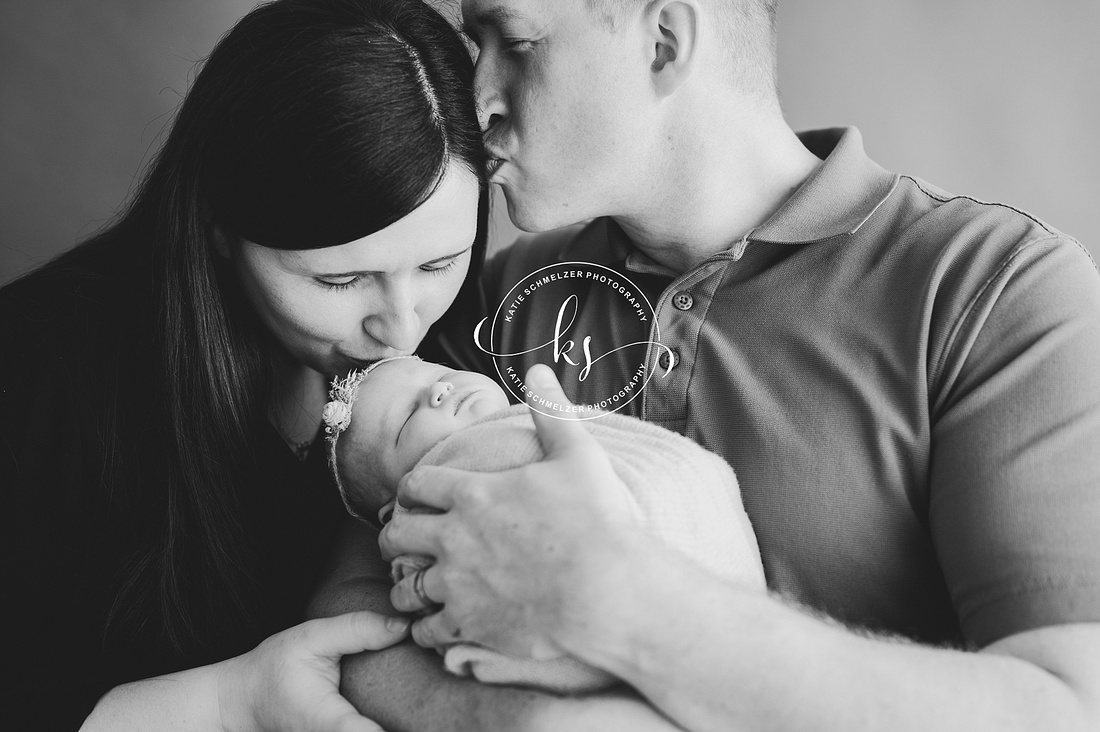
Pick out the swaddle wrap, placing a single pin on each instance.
(683, 494)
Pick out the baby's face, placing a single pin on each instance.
(405, 407)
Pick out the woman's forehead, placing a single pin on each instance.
(445, 225)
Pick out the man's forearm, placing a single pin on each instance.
(714, 657)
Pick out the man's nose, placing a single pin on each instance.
(488, 118)
(491, 104)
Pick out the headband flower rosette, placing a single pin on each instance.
(336, 416)
(337, 413)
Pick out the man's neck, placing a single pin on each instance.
(717, 186)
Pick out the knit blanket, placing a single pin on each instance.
(681, 493)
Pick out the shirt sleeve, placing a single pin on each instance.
(54, 665)
(1015, 470)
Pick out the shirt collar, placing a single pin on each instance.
(836, 200)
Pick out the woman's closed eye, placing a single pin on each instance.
(439, 268)
(445, 264)
(337, 283)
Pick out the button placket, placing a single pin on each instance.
(666, 398)
(668, 359)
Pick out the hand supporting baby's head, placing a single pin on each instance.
(398, 410)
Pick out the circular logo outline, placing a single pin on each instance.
(578, 411)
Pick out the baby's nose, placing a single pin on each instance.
(439, 392)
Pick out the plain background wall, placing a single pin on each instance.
(998, 99)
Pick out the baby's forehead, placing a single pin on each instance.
(402, 375)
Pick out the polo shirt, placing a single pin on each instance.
(906, 382)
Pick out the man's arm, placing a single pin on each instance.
(760, 664)
(406, 688)
(711, 656)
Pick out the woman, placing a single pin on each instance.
(318, 204)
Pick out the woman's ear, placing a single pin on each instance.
(674, 29)
(221, 240)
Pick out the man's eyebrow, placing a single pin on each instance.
(493, 16)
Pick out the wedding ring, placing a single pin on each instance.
(418, 588)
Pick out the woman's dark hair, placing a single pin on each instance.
(311, 124)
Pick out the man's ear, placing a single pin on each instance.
(221, 240)
(673, 26)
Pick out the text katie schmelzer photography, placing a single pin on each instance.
(556, 292)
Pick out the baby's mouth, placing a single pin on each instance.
(459, 401)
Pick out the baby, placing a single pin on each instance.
(401, 412)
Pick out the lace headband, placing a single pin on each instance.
(337, 418)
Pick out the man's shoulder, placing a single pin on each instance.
(959, 243)
(943, 216)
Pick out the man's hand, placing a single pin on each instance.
(522, 557)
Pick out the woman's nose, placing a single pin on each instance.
(398, 326)
(438, 392)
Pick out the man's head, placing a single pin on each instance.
(401, 409)
(746, 28)
(581, 100)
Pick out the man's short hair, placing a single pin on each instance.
(747, 26)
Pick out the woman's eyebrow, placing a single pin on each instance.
(365, 272)
(445, 257)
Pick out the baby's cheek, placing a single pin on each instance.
(428, 432)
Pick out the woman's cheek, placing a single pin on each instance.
(313, 315)
(445, 294)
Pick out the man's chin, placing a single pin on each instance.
(527, 215)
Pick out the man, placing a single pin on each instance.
(906, 382)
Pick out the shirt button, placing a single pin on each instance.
(668, 359)
(683, 300)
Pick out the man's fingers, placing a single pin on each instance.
(405, 598)
(560, 430)
(342, 635)
(430, 486)
(411, 533)
(434, 631)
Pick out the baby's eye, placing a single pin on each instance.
(397, 438)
